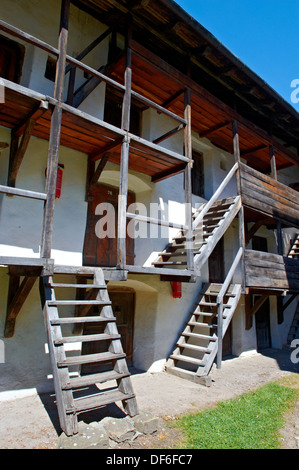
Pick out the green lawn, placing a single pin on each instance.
(251, 421)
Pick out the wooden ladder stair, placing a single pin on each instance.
(197, 345)
(76, 393)
(294, 251)
(205, 236)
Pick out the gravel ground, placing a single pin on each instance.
(32, 422)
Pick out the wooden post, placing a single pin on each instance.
(237, 155)
(187, 175)
(54, 141)
(124, 162)
(219, 333)
(278, 225)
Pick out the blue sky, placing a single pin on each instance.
(264, 34)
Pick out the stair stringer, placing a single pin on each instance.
(200, 260)
(65, 385)
(228, 314)
(208, 358)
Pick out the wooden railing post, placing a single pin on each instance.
(124, 163)
(54, 141)
(236, 146)
(278, 225)
(188, 188)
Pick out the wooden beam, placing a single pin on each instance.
(18, 151)
(55, 132)
(125, 148)
(168, 173)
(90, 47)
(77, 98)
(168, 134)
(216, 128)
(253, 150)
(111, 146)
(16, 298)
(170, 101)
(95, 177)
(252, 231)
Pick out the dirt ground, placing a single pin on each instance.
(32, 422)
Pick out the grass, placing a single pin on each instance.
(251, 421)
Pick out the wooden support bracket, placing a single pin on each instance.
(17, 294)
(17, 148)
(250, 311)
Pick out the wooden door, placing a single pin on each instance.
(262, 326)
(216, 263)
(103, 251)
(11, 59)
(123, 305)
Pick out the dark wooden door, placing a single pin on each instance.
(216, 263)
(102, 251)
(123, 305)
(262, 326)
(11, 59)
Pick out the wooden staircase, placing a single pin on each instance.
(77, 393)
(205, 235)
(197, 346)
(294, 251)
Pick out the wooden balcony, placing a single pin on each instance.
(271, 272)
(269, 197)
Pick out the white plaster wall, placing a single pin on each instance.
(21, 235)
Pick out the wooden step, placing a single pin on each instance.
(96, 401)
(93, 319)
(78, 302)
(201, 324)
(78, 286)
(208, 304)
(86, 380)
(173, 254)
(199, 336)
(90, 358)
(190, 360)
(186, 374)
(194, 347)
(207, 314)
(170, 263)
(85, 338)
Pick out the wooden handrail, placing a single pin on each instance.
(151, 220)
(230, 275)
(216, 195)
(220, 308)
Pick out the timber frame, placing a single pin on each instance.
(230, 106)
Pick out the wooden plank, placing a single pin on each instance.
(23, 192)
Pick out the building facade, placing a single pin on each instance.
(138, 154)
